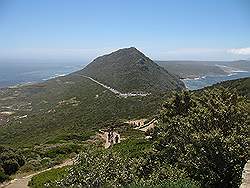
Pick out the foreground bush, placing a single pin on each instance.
(206, 135)
(107, 169)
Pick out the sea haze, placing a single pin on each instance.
(21, 72)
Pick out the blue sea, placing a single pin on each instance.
(32, 72)
(208, 80)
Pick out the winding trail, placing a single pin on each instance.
(125, 95)
(23, 181)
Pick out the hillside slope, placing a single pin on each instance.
(129, 70)
(63, 107)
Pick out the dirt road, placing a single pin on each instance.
(23, 181)
(125, 95)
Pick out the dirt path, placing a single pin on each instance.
(246, 176)
(23, 181)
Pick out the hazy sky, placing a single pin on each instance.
(163, 29)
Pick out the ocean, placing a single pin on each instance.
(208, 80)
(20, 73)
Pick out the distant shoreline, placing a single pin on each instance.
(34, 77)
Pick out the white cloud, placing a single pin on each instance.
(240, 51)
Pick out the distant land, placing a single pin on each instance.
(200, 74)
(194, 69)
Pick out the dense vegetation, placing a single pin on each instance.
(200, 140)
(10, 161)
(129, 70)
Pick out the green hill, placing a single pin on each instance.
(242, 85)
(129, 70)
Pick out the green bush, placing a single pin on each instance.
(206, 135)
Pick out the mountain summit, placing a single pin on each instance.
(129, 70)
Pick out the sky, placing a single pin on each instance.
(163, 29)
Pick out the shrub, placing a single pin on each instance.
(206, 135)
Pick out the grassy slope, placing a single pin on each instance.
(46, 177)
(64, 106)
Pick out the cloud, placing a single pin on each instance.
(240, 51)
